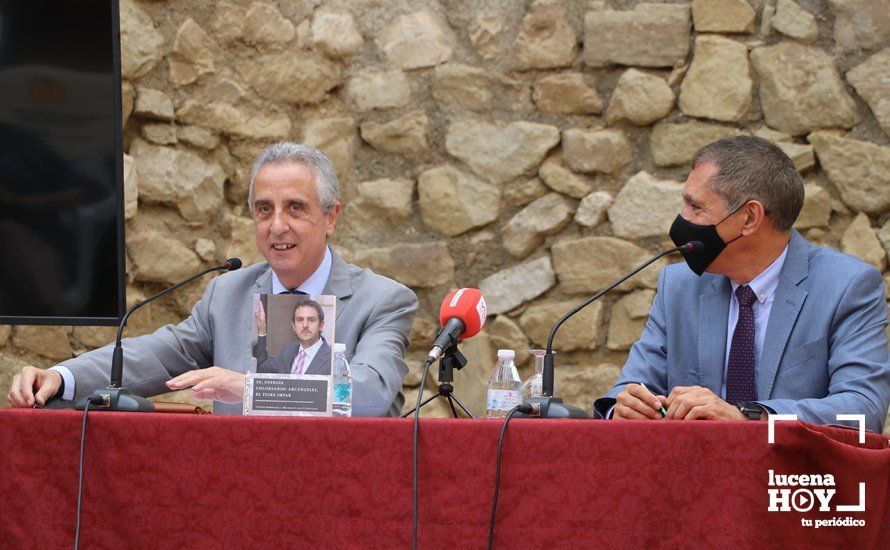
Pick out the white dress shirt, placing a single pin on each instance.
(313, 285)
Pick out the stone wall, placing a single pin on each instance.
(533, 149)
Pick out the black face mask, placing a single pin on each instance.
(683, 231)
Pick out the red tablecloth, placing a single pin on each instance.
(159, 481)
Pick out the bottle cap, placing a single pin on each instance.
(339, 348)
(506, 354)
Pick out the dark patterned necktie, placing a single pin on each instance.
(293, 292)
(740, 382)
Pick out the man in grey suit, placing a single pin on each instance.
(310, 354)
(760, 321)
(294, 199)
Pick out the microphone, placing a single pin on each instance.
(552, 407)
(462, 315)
(115, 397)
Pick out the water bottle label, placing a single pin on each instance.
(343, 393)
(503, 400)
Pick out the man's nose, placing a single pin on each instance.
(279, 224)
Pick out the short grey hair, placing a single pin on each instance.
(318, 163)
(752, 168)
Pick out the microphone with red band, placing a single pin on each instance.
(462, 315)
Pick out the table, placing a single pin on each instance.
(199, 481)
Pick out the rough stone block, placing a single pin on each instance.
(650, 35)
(718, 84)
(373, 89)
(141, 43)
(795, 22)
(592, 210)
(336, 34)
(546, 39)
(790, 100)
(723, 16)
(581, 332)
(564, 181)
(640, 98)
(566, 94)
(589, 264)
(470, 202)
(860, 170)
(511, 287)
(421, 265)
(405, 135)
(675, 144)
(872, 82)
(500, 152)
(645, 207)
(417, 40)
(860, 240)
(526, 230)
(606, 151)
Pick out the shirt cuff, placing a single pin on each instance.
(68, 378)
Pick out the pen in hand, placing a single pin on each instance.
(663, 410)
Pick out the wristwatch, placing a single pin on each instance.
(751, 410)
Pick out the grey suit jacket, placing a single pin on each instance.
(374, 316)
(283, 362)
(825, 348)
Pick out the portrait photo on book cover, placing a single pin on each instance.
(294, 333)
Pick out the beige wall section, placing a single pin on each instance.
(542, 142)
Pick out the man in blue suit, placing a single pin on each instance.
(760, 320)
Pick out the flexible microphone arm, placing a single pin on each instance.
(114, 397)
(117, 357)
(547, 382)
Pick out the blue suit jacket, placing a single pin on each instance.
(825, 351)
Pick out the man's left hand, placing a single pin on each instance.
(697, 403)
(213, 383)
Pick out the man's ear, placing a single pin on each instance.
(754, 217)
(331, 219)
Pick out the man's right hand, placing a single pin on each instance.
(259, 314)
(637, 403)
(33, 385)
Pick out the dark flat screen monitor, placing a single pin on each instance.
(61, 176)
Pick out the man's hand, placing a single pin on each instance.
(697, 403)
(46, 383)
(259, 314)
(637, 403)
(213, 383)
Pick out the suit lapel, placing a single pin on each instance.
(263, 284)
(713, 304)
(787, 303)
(321, 363)
(339, 282)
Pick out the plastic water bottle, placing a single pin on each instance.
(342, 405)
(504, 386)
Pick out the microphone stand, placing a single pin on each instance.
(549, 406)
(115, 397)
(451, 359)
